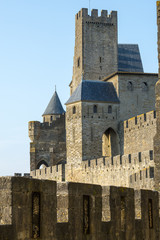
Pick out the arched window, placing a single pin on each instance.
(95, 108)
(51, 118)
(109, 109)
(130, 86)
(74, 110)
(144, 86)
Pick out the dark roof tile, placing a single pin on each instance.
(129, 59)
(96, 91)
(54, 107)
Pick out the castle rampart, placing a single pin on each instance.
(137, 133)
(117, 171)
(71, 211)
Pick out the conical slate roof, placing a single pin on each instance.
(54, 106)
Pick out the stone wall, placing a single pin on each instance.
(48, 144)
(157, 93)
(32, 202)
(136, 92)
(74, 133)
(85, 129)
(94, 32)
(79, 211)
(137, 133)
(135, 170)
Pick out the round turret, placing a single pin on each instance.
(54, 109)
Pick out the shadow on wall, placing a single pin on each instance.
(110, 143)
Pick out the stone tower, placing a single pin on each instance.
(95, 52)
(48, 139)
(91, 118)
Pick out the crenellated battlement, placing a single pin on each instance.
(56, 172)
(59, 210)
(94, 16)
(35, 127)
(139, 130)
(104, 171)
(138, 121)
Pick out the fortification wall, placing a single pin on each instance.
(48, 144)
(116, 171)
(136, 94)
(50, 211)
(137, 133)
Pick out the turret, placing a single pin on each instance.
(54, 109)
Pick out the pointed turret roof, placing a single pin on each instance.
(54, 107)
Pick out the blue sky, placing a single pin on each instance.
(36, 53)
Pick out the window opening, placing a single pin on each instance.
(110, 109)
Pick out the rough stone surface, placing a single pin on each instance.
(75, 211)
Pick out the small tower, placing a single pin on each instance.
(53, 110)
(48, 139)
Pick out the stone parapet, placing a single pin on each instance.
(67, 211)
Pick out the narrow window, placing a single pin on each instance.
(150, 213)
(112, 161)
(151, 154)
(140, 175)
(139, 156)
(95, 109)
(154, 114)
(78, 62)
(123, 214)
(135, 120)
(151, 170)
(35, 215)
(100, 59)
(110, 109)
(145, 118)
(127, 124)
(121, 159)
(63, 172)
(135, 177)
(129, 157)
(74, 110)
(51, 118)
(146, 173)
(130, 86)
(86, 214)
(144, 87)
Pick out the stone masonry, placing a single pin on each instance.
(72, 211)
(95, 52)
